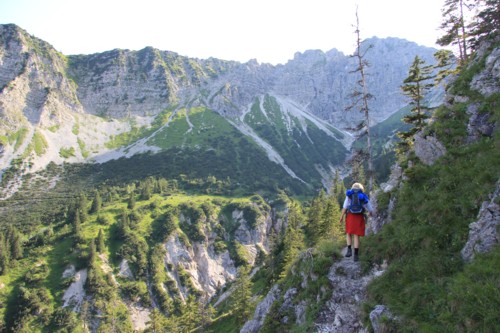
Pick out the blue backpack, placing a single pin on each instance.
(358, 199)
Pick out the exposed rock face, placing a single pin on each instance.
(384, 216)
(377, 315)
(479, 125)
(125, 271)
(262, 309)
(488, 81)
(139, 315)
(483, 233)
(210, 270)
(342, 313)
(394, 180)
(73, 296)
(428, 149)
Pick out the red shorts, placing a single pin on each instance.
(355, 224)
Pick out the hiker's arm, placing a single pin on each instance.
(345, 205)
(342, 215)
(370, 209)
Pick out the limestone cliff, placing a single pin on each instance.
(58, 108)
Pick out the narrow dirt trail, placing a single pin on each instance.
(342, 313)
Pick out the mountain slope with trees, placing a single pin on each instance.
(119, 246)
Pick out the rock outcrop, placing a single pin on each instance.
(262, 309)
(342, 313)
(483, 233)
(428, 149)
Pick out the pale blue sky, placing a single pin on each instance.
(267, 30)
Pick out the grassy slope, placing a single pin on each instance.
(211, 147)
(427, 284)
(300, 150)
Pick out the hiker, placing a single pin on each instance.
(356, 203)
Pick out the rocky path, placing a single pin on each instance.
(342, 313)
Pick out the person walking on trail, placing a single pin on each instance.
(356, 203)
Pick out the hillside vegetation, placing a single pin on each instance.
(196, 237)
(427, 285)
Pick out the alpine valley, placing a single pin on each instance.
(259, 125)
(145, 191)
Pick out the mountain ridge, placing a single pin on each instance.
(81, 108)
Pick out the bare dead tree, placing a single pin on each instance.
(360, 97)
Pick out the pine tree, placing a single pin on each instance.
(444, 65)
(356, 163)
(77, 228)
(14, 243)
(274, 259)
(416, 86)
(454, 26)
(82, 207)
(100, 242)
(156, 323)
(338, 189)
(206, 312)
(190, 315)
(242, 296)
(162, 185)
(486, 23)
(4, 255)
(96, 203)
(131, 201)
(85, 314)
(332, 229)
(293, 240)
(16, 246)
(92, 252)
(314, 215)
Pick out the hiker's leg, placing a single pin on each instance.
(356, 241)
(348, 251)
(356, 247)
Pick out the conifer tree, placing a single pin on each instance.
(331, 215)
(131, 201)
(156, 323)
(16, 246)
(338, 189)
(454, 26)
(274, 259)
(100, 246)
(96, 203)
(4, 255)
(314, 217)
(486, 24)
(242, 296)
(293, 240)
(206, 312)
(85, 314)
(77, 228)
(444, 65)
(92, 252)
(416, 86)
(82, 207)
(190, 315)
(162, 185)
(14, 242)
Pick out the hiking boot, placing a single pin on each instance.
(349, 252)
(356, 257)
